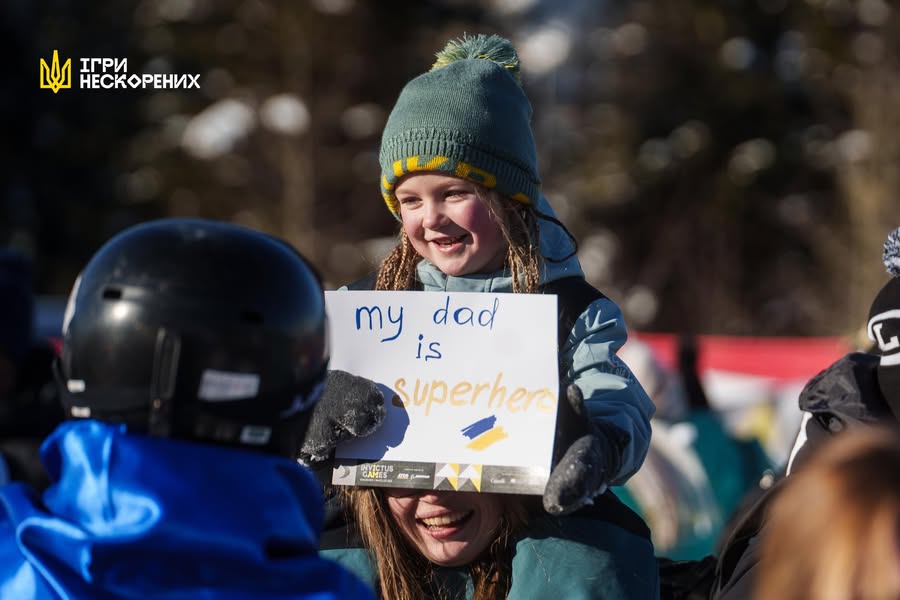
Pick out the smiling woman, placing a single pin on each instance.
(450, 528)
(414, 535)
(413, 544)
(414, 531)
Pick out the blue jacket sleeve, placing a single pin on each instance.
(612, 394)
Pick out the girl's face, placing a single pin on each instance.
(448, 224)
(450, 529)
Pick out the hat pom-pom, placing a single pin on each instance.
(487, 47)
(892, 253)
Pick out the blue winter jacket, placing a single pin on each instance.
(611, 392)
(132, 516)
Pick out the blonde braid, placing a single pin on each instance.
(518, 226)
(398, 270)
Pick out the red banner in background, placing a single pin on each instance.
(780, 358)
(752, 382)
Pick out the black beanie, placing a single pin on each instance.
(884, 324)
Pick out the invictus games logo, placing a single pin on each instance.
(109, 73)
(55, 77)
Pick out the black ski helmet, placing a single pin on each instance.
(197, 330)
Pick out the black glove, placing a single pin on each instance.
(350, 407)
(585, 455)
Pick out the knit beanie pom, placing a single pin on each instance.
(487, 47)
(468, 117)
(892, 253)
(884, 325)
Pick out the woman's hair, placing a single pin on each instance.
(404, 574)
(833, 530)
(518, 224)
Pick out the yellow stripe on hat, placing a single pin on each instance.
(473, 173)
(392, 204)
(432, 164)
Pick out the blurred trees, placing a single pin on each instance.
(728, 167)
(743, 162)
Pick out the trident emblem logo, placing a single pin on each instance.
(55, 78)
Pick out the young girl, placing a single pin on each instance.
(459, 171)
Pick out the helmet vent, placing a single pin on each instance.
(112, 293)
(251, 316)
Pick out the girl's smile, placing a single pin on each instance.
(448, 223)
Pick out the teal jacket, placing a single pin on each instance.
(588, 354)
(602, 552)
(697, 474)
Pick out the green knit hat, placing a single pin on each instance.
(469, 117)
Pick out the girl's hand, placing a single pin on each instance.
(585, 453)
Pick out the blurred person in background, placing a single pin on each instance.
(193, 354)
(833, 529)
(29, 403)
(697, 473)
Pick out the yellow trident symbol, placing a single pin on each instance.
(53, 77)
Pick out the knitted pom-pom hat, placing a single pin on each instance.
(884, 325)
(468, 117)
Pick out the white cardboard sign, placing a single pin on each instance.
(470, 383)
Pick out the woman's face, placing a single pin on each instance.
(449, 528)
(449, 225)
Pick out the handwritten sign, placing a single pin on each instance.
(470, 383)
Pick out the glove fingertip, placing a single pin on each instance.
(576, 479)
(574, 394)
(552, 507)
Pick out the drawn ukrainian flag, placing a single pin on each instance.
(483, 433)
